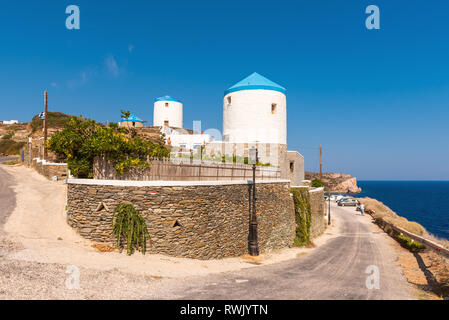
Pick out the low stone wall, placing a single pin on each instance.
(203, 220)
(317, 205)
(50, 170)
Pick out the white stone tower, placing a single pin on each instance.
(255, 111)
(167, 112)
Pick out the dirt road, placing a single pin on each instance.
(34, 261)
(336, 270)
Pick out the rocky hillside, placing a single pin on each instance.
(336, 182)
(14, 136)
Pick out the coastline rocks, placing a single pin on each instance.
(336, 182)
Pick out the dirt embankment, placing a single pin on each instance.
(435, 267)
(13, 137)
(336, 182)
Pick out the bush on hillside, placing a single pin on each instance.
(11, 147)
(7, 136)
(54, 120)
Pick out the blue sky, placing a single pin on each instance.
(377, 100)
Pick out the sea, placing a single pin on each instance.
(426, 202)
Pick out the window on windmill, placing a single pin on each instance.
(229, 100)
(166, 104)
(134, 124)
(292, 166)
(273, 108)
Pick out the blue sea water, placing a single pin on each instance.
(426, 202)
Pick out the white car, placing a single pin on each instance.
(336, 197)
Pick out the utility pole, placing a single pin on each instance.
(321, 163)
(45, 123)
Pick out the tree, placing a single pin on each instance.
(82, 140)
(316, 183)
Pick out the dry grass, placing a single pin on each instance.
(103, 247)
(434, 238)
(252, 259)
(11, 163)
(380, 211)
(301, 254)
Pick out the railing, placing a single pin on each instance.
(428, 243)
(179, 169)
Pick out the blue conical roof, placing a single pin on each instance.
(167, 98)
(132, 117)
(253, 82)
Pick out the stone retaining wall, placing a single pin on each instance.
(317, 205)
(203, 220)
(50, 170)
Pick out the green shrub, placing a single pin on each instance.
(11, 147)
(8, 136)
(130, 226)
(54, 120)
(409, 243)
(317, 183)
(82, 140)
(303, 216)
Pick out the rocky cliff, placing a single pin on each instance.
(336, 182)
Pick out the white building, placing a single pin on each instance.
(9, 121)
(255, 110)
(167, 112)
(182, 139)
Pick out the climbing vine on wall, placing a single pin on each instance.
(130, 226)
(303, 216)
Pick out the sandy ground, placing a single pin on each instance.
(38, 248)
(39, 223)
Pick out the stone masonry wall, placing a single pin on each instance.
(49, 170)
(317, 205)
(194, 221)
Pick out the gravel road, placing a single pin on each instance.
(334, 270)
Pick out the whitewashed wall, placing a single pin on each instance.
(172, 113)
(188, 140)
(248, 117)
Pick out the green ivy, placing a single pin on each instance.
(303, 216)
(82, 140)
(129, 225)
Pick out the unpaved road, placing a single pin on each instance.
(7, 196)
(334, 270)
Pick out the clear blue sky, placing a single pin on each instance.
(377, 100)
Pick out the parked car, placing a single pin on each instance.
(336, 197)
(348, 202)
